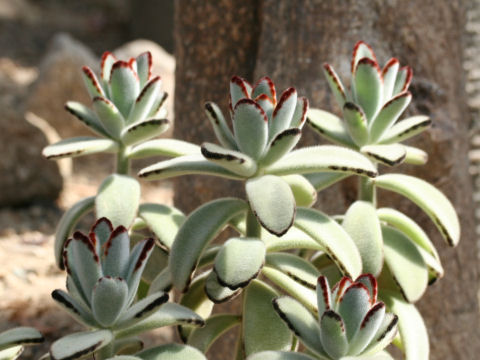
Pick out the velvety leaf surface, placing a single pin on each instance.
(79, 146)
(220, 127)
(405, 129)
(356, 122)
(250, 128)
(145, 130)
(20, 336)
(391, 155)
(82, 344)
(163, 147)
(303, 191)
(171, 352)
(231, 160)
(202, 338)
(329, 126)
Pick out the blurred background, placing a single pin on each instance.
(44, 43)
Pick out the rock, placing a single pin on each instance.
(59, 81)
(26, 176)
(163, 65)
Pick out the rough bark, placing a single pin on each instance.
(296, 37)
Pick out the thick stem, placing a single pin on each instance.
(123, 163)
(253, 226)
(367, 190)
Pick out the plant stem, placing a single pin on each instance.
(123, 162)
(105, 353)
(253, 226)
(367, 190)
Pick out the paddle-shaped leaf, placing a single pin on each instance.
(265, 86)
(171, 352)
(192, 239)
(74, 307)
(324, 158)
(142, 309)
(323, 180)
(250, 124)
(389, 74)
(231, 160)
(186, 165)
(356, 123)
(303, 191)
(262, 329)
(144, 66)
(354, 305)
(368, 87)
(391, 155)
(335, 84)
(283, 113)
(405, 129)
(405, 263)
(117, 199)
(429, 199)
(115, 253)
(368, 329)
(301, 322)
(388, 115)
(415, 156)
(333, 335)
(239, 261)
(280, 145)
(293, 239)
(329, 126)
(145, 101)
(217, 292)
(300, 114)
(272, 202)
(404, 77)
(167, 315)
(124, 86)
(86, 116)
(295, 267)
(67, 224)
(144, 130)
(216, 325)
(109, 116)
(361, 50)
(332, 238)
(362, 224)
(411, 327)
(163, 147)
(78, 345)
(220, 127)
(109, 299)
(239, 89)
(79, 146)
(91, 82)
(20, 336)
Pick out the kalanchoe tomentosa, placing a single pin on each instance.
(13, 340)
(371, 108)
(351, 323)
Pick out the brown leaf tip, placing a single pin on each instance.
(147, 247)
(285, 96)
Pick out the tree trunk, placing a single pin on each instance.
(289, 41)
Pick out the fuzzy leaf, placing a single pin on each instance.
(354, 305)
(220, 127)
(216, 292)
(167, 315)
(299, 290)
(145, 101)
(390, 155)
(368, 87)
(164, 221)
(163, 147)
(216, 325)
(362, 224)
(79, 146)
(361, 50)
(300, 114)
(171, 352)
(281, 145)
(239, 89)
(13, 353)
(329, 126)
(109, 116)
(332, 238)
(192, 239)
(144, 67)
(162, 282)
(74, 307)
(262, 329)
(429, 199)
(415, 156)
(144, 130)
(324, 158)
(86, 116)
(91, 82)
(388, 115)
(124, 86)
(231, 160)
(384, 336)
(402, 82)
(67, 224)
(411, 326)
(239, 261)
(335, 84)
(20, 336)
(279, 355)
(79, 345)
(283, 113)
(295, 267)
(405, 129)
(264, 86)
(250, 127)
(117, 199)
(142, 309)
(303, 191)
(356, 122)
(108, 59)
(323, 180)
(389, 74)
(368, 329)
(272, 202)
(109, 299)
(138, 260)
(301, 322)
(186, 165)
(405, 263)
(332, 334)
(292, 239)
(116, 252)
(266, 104)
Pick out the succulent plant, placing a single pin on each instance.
(351, 322)
(12, 341)
(371, 109)
(102, 283)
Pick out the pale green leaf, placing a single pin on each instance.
(142, 309)
(78, 345)
(13, 353)
(74, 306)
(356, 123)
(335, 84)
(232, 160)
(329, 126)
(283, 113)
(217, 292)
(405, 129)
(295, 267)
(109, 299)
(404, 77)
(109, 116)
(20, 336)
(192, 239)
(117, 199)
(293, 239)
(415, 156)
(86, 116)
(145, 101)
(144, 66)
(323, 180)
(332, 334)
(145, 130)
(391, 155)
(216, 325)
(281, 145)
(163, 147)
(239, 89)
(279, 355)
(124, 86)
(171, 352)
(91, 82)
(360, 51)
(79, 146)
(220, 127)
(368, 87)
(429, 199)
(389, 74)
(303, 191)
